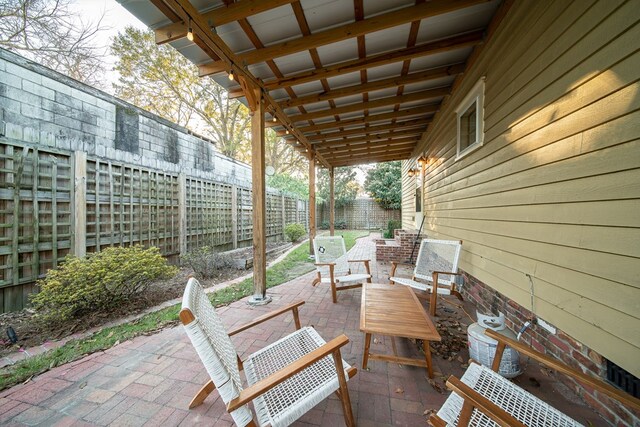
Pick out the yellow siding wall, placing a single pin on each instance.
(552, 199)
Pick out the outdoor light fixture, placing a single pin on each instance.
(231, 75)
(274, 118)
(412, 172)
(190, 32)
(422, 161)
(287, 132)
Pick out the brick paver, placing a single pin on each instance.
(151, 379)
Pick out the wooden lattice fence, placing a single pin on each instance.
(54, 203)
(361, 214)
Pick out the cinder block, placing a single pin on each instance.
(83, 96)
(56, 86)
(36, 112)
(13, 131)
(37, 89)
(23, 72)
(31, 135)
(10, 80)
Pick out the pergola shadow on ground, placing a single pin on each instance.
(150, 380)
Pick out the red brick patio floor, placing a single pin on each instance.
(151, 379)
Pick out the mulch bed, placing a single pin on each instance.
(32, 333)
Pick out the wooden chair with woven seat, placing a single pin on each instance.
(435, 270)
(332, 265)
(286, 378)
(482, 397)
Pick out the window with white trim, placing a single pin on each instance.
(470, 121)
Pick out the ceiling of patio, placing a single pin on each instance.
(357, 81)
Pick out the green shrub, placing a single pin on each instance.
(294, 232)
(391, 227)
(98, 282)
(338, 225)
(207, 262)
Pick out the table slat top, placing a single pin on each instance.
(394, 310)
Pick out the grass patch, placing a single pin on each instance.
(293, 265)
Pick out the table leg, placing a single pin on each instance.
(427, 354)
(365, 356)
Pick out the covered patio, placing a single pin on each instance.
(151, 379)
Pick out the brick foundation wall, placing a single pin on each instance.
(559, 345)
(397, 249)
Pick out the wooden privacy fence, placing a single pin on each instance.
(54, 203)
(361, 214)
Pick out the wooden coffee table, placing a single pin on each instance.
(395, 311)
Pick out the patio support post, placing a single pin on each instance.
(258, 197)
(332, 202)
(80, 204)
(312, 200)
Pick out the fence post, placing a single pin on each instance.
(234, 216)
(182, 213)
(80, 204)
(284, 214)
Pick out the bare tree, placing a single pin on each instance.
(48, 32)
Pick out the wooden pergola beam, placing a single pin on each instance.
(219, 16)
(369, 131)
(355, 29)
(396, 138)
(410, 112)
(444, 45)
(420, 76)
(381, 102)
(359, 160)
(368, 138)
(368, 149)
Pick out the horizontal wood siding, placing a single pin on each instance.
(551, 202)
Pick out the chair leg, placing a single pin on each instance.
(316, 280)
(334, 292)
(344, 391)
(202, 394)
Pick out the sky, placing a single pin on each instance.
(114, 19)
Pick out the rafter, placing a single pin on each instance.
(420, 76)
(355, 29)
(410, 112)
(444, 45)
(217, 17)
(391, 100)
(359, 160)
(419, 123)
(391, 138)
(368, 149)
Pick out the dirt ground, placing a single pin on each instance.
(31, 333)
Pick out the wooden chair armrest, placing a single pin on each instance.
(446, 272)
(266, 384)
(293, 307)
(358, 260)
(596, 383)
(487, 407)
(324, 264)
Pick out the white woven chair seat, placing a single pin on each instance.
(291, 399)
(357, 277)
(419, 285)
(522, 405)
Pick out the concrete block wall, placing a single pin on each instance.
(42, 107)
